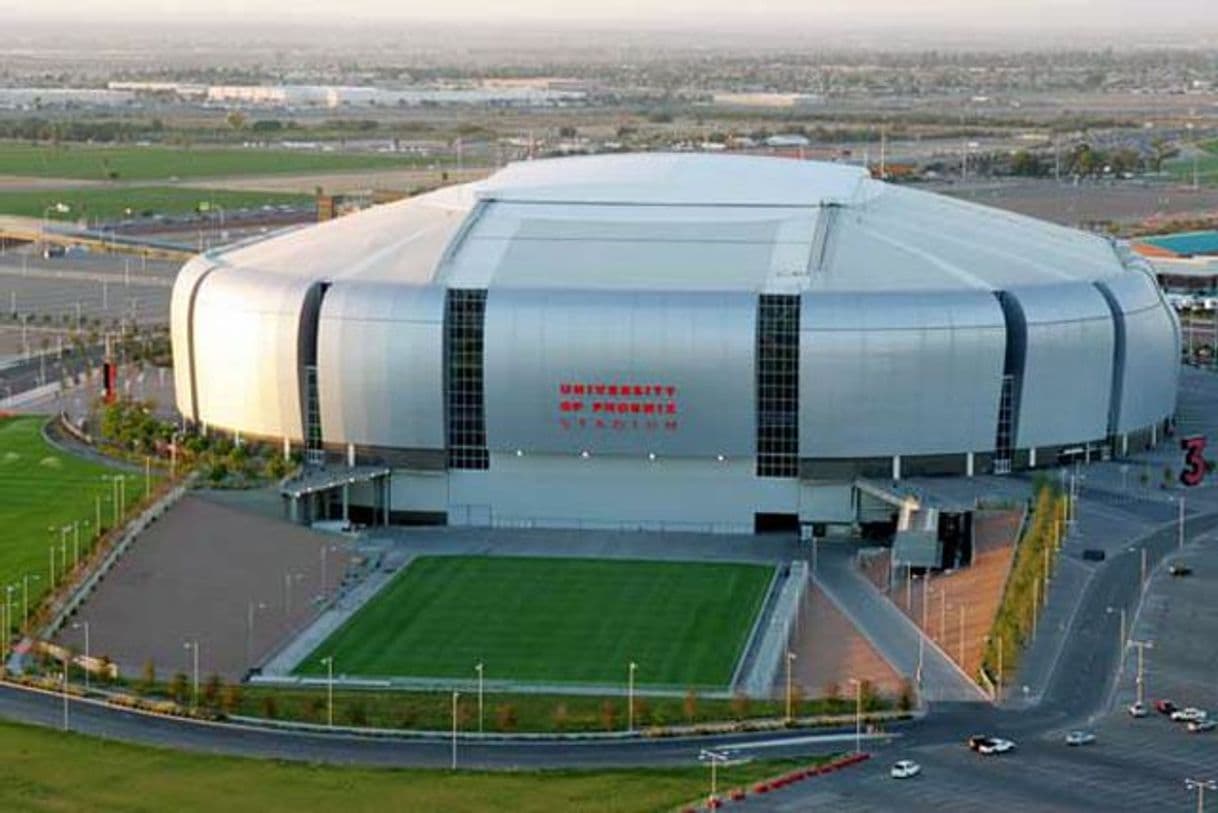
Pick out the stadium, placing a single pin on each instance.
(671, 342)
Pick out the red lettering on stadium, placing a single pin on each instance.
(618, 398)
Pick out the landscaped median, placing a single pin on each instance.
(1026, 586)
(779, 781)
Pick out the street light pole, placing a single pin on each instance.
(329, 662)
(858, 715)
(1201, 786)
(630, 697)
(456, 695)
(1180, 533)
(790, 660)
(478, 669)
(194, 700)
(66, 664)
(1141, 646)
(249, 632)
(84, 625)
(962, 636)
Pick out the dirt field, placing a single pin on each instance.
(193, 576)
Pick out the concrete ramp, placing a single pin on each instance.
(763, 663)
(893, 635)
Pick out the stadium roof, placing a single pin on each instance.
(685, 222)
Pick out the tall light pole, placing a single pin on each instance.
(194, 698)
(67, 661)
(288, 578)
(84, 625)
(790, 660)
(329, 662)
(1121, 641)
(456, 695)
(249, 632)
(1201, 786)
(962, 636)
(630, 697)
(858, 715)
(1141, 646)
(1180, 532)
(714, 758)
(478, 669)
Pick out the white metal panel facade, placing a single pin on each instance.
(181, 308)
(380, 365)
(651, 373)
(1067, 378)
(910, 374)
(1152, 352)
(246, 352)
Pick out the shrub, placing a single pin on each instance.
(505, 717)
(561, 717)
(179, 687)
(230, 698)
(211, 690)
(270, 707)
(690, 706)
(357, 713)
(608, 715)
(741, 705)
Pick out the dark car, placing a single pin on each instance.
(1165, 706)
(1093, 555)
(977, 740)
(1178, 569)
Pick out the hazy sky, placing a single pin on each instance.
(1144, 14)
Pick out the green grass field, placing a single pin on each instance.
(41, 488)
(553, 620)
(115, 203)
(130, 163)
(45, 770)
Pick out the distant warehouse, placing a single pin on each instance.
(674, 342)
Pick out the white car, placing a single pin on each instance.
(1188, 715)
(1201, 726)
(995, 745)
(905, 769)
(1080, 738)
(1137, 710)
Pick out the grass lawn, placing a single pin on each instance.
(42, 488)
(553, 620)
(132, 163)
(112, 203)
(45, 770)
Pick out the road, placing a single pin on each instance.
(432, 752)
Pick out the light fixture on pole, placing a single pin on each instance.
(630, 697)
(478, 669)
(194, 646)
(714, 758)
(1201, 786)
(1141, 646)
(456, 696)
(790, 660)
(249, 632)
(84, 625)
(329, 662)
(858, 715)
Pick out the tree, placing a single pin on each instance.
(211, 690)
(689, 706)
(741, 705)
(561, 717)
(147, 677)
(270, 707)
(905, 700)
(230, 698)
(235, 119)
(357, 713)
(505, 717)
(179, 687)
(608, 715)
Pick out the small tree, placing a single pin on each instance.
(230, 698)
(832, 691)
(357, 713)
(317, 707)
(608, 715)
(642, 711)
(147, 677)
(905, 700)
(690, 706)
(741, 705)
(561, 717)
(270, 707)
(211, 690)
(179, 687)
(867, 695)
(505, 717)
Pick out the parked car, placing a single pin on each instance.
(1080, 738)
(1137, 710)
(1200, 726)
(1188, 715)
(1165, 706)
(905, 769)
(1178, 569)
(1093, 555)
